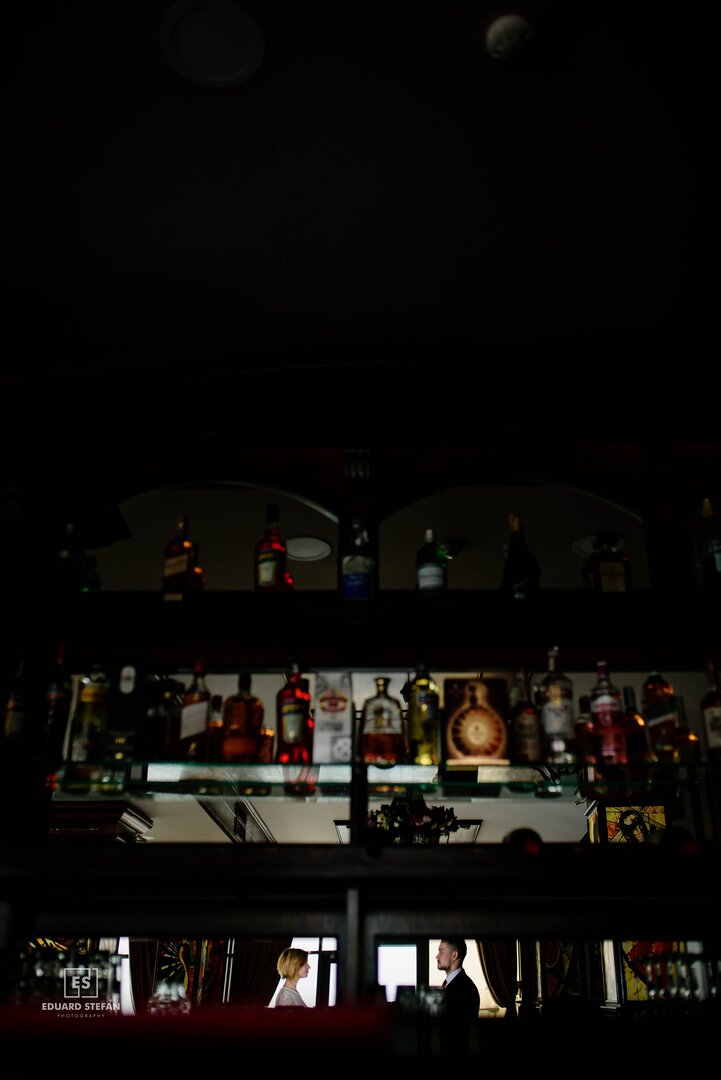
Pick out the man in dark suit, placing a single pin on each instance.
(460, 994)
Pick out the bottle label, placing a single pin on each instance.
(712, 721)
(356, 584)
(557, 717)
(268, 563)
(193, 719)
(430, 577)
(291, 723)
(178, 564)
(612, 576)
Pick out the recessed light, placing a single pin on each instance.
(307, 548)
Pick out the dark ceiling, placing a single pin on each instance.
(380, 198)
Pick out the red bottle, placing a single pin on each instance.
(270, 556)
(295, 723)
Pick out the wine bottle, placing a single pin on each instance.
(423, 718)
(178, 563)
(243, 715)
(294, 721)
(521, 571)
(382, 735)
(431, 566)
(711, 712)
(556, 696)
(194, 716)
(271, 555)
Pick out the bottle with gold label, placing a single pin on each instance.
(294, 721)
(271, 555)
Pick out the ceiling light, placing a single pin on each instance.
(212, 42)
(307, 548)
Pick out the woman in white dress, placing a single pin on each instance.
(292, 966)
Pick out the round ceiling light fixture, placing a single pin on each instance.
(506, 35)
(307, 548)
(212, 42)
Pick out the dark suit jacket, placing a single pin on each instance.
(461, 998)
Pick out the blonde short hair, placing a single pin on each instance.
(291, 961)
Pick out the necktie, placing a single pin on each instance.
(445, 984)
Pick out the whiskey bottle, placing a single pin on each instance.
(382, 735)
(423, 718)
(710, 548)
(639, 747)
(521, 571)
(609, 732)
(556, 696)
(243, 715)
(357, 565)
(271, 555)
(525, 730)
(711, 712)
(431, 566)
(194, 716)
(178, 563)
(159, 734)
(214, 730)
(658, 704)
(89, 727)
(294, 721)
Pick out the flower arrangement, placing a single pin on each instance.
(409, 822)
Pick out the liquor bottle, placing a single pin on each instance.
(423, 718)
(58, 699)
(556, 696)
(15, 720)
(583, 732)
(382, 735)
(525, 730)
(686, 743)
(178, 563)
(88, 730)
(270, 555)
(711, 712)
(710, 548)
(159, 735)
(243, 715)
(194, 716)
(214, 730)
(521, 571)
(357, 565)
(431, 566)
(608, 568)
(609, 731)
(294, 721)
(638, 739)
(658, 704)
(196, 578)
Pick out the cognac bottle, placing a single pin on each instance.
(271, 555)
(294, 721)
(243, 714)
(525, 730)
(382, 736)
